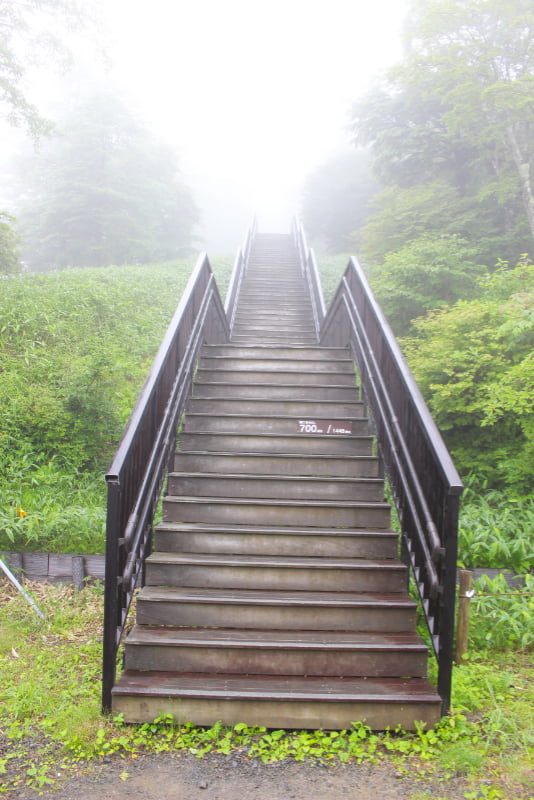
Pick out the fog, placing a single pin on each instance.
(251, 95)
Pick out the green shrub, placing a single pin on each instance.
(502, 618)
(496, 531)
(75, 349)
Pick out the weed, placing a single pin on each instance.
(496, 531)
(502, 618)
(75, 349)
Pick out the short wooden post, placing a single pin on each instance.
(462, 630)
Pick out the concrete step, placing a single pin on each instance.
(270, 376)
(275, 391)
(278, 702)
(277, 443)
(276, 512)
(276, 365)
(265, 463)
(304, 409)
(286, 487)
(260, 652)
(273, 572)
(276, 610)
(288, 425)
(176, 537)
(293, 353)
(274, 337)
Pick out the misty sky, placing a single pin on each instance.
(251, 94)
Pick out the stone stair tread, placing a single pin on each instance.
(269, 501)
(241, 476)
(281, 597)
(201, 380)
(295, 437)
(272, 364)
(289, 562)
(231, 416)
(273, 639)
(296, 458)
(272, 530)
(290, 351)
(369, 690)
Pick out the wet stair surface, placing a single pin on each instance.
(274, 595)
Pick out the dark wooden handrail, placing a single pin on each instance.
(309, 270)
(238, 273)
(136, 475)
(425, 485)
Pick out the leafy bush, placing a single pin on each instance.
(428, 273)
(331, 268)
(75, 349)
(502, 618)
(496, 531)
(473, 363)
(9, 257)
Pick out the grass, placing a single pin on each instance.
(50, 713)
(75, 349)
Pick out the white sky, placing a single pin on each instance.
(253, 95)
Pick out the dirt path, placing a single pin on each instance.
(184, 777)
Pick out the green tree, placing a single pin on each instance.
(29, 31)
(9, 259)
(104, 191)
(457, 113)
(337, 199)
(429, 273)
(474, 364)
(480, 54)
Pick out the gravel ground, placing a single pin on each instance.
(184, 777)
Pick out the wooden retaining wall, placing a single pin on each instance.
(56, 567)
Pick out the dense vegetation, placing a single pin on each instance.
(103, 190)
(75, 348)
(449, 245)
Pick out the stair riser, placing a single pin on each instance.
(252, 301)
(272, 578)
(370, 546)
(306, 445)
(273, 338)
(274, 488)
(258, 513)
(262, 391)
(298, 353)
(278, 714)
(364, 467)
(277, 617)
(205, 423)
(286, 314)
(303, 409)
(269, 661)
(269, 377)
(283, 332)
(266, 364)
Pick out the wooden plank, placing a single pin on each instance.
(56, 567)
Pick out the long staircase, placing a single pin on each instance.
(274, 594)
